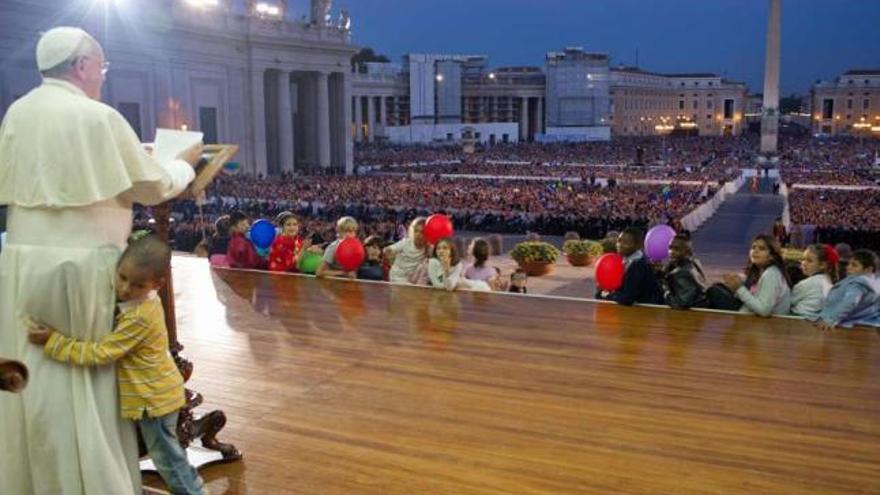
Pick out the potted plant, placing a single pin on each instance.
(581, 252)
(535, 257)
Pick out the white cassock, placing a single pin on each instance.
(70, 169)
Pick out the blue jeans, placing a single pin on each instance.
(160, 437)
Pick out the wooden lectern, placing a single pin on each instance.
(189, 426)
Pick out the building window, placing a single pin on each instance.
(827, 108)
(848, 117)
(696, 103)
(708, 116)
(849, 104)
(866, 104)
(208, 124)
(449, 136)
(709, 105)
(132, 114)
(710, 83)
(728, 108)
(681, 104)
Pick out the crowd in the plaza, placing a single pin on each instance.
(830, 161)
(383, 204)
(836, 215)
(802, 160)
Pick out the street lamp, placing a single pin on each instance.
(862, 127)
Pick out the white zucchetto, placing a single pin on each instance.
(57, 45)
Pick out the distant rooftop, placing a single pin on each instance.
(692, 74)
(637, 70)
(862, 72)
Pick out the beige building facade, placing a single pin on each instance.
(849, 105)
(641, 103)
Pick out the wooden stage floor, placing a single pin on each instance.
(338, 387)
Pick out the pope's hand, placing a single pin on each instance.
(192, 155)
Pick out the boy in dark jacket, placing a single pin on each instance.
(684, 283)
(639, 283)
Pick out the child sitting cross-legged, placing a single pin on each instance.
(151, 389)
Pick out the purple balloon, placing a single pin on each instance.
(657, 242)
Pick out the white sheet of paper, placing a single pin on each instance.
(171, 142)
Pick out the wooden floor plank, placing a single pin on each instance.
(343, 387)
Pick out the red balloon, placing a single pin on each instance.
(609, 272)
(350, 254)
(438, 226)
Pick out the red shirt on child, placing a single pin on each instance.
(283, 253)
(242, 254)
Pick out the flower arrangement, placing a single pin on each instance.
(581, 252)
(534, 252)
(574, 247)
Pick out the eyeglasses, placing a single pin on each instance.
(105, 65)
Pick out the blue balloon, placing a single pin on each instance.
(262, 233)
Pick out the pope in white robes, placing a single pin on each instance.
(70, 170)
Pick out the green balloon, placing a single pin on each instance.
(310, 262)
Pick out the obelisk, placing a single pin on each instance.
(770, 113)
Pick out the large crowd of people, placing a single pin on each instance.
(830, 161)
(401, 182)
(382, 204)
(802, 160)
(677, 151)
(837, 215)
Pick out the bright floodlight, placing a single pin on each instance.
(268, 10)
(439, 77)
(491, 75)
(203, 3)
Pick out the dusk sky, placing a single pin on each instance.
(820, 38)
